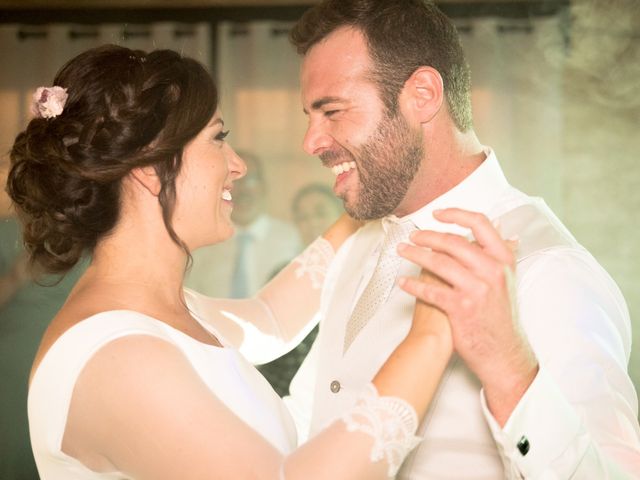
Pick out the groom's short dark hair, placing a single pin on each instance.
(401, 35)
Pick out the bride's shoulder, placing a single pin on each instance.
(91, 317)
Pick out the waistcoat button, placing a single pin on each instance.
(335, 386)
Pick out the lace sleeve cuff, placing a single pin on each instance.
(315, 261)
(390, 421)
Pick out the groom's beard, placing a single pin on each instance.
(387, 164)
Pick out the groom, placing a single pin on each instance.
(541, 392)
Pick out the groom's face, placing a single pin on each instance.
(374, 155)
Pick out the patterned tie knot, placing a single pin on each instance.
(396, 231)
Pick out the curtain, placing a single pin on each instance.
(31, 55)
(517, 87)
(516, 74)
(258, 72)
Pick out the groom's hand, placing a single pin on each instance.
(477, 294)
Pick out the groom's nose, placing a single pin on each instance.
(316, 139)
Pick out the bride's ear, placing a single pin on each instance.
(147, 178)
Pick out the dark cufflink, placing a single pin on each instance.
(523, 445)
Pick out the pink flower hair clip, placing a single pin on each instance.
(48, 102)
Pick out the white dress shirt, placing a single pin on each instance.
(577, 420)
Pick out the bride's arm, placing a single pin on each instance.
(157, 419)
(284, 310)
(293, 296)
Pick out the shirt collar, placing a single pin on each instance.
(479, 192)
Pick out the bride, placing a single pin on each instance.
(126, 160)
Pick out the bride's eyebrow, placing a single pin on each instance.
(216, 121)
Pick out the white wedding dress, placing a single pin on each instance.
(236, 382)
(264, 327)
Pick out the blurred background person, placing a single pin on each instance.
(314, 207)
(262, 243)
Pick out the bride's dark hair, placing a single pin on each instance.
(125, 109)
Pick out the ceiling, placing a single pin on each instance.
(173, 4)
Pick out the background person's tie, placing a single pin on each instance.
(240, 275)
(384, 276)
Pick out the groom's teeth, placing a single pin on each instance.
(343, 167)
(226, 195)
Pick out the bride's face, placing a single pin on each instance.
(203, 187)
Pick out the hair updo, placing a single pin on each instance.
(125, 109)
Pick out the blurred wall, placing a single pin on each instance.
(601, 180)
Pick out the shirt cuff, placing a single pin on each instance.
(540, 429)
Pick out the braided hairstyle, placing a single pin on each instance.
(126, 109)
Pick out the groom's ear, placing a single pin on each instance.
(422, 94)
(147, 178)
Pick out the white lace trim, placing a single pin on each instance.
(314, 261)
(390, 421)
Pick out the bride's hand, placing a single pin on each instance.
(428, 320)
(429, 345)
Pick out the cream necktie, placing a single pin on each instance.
(384, 276)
